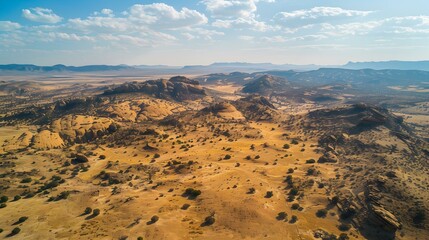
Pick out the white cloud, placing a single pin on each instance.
(319, 12)
(108, 12)
(164, 16)
(354, 28)
(42, 15)
(243, 23)
(230, 8)
(9, 26)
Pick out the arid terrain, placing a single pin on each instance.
(324, 154)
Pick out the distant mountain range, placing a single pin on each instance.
(398, 65)
(60, 68)
(226, 67)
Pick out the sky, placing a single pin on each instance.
(200, 32)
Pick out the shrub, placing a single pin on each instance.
(3, 205)
(154, 219)
(88, 210)
(343, 236)
(293, 219)
(290, 170)
(185, 206)
(321, 213)
(209, 220)
(192, 193)
(251, 190)
(286, 146)
(348, 213)
(419, 216)
(102, 157)
(96, 212)
(293, 191)
(22, 219)
(281, 216)
(294, 141)
(156, 155)
(344, 227)
(1, 230)
(295, 206)
(335, 200)
(269, 194)
(3, 199)
(15, 231)
(311, 171)
(227, 156)
(310, 161)
(140, 238)
(26, 180)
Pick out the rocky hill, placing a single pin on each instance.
(176, 88)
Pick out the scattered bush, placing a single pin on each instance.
(88, 210)
(281, 216)
(22, 219)
(290, 170)
(310, 161)
(344, 227)
(321, 213)
(154, 219)
(26, 180)
(419, 216)
(156, 155)
(286, 146)
(3, 199)
(3, 205)
(335, 200)
(185, 206)
(102, 157)
(343, 236)
(209, 220)
(192, 193)
(96, 212)
(227, 156)
(269, 194)
(293, 219)
(15, 231)
(251, 190)
(295, 206)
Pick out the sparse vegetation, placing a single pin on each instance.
(321, 213)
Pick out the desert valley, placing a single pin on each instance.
(119, 154)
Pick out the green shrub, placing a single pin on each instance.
(96, 212)
(192, 193)
(227, 156)
(286, 146)
(310, 161)
(295, 206)
(15, 231)
(88, 210)
(3, 199)
(26, 180)
(344, 227)
(154, 219)
(281, 216)
(22, 219)
(321, 213)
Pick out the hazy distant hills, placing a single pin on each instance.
(399, 65)
(60, 68)
(226, 67)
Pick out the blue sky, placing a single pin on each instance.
(81, 32)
